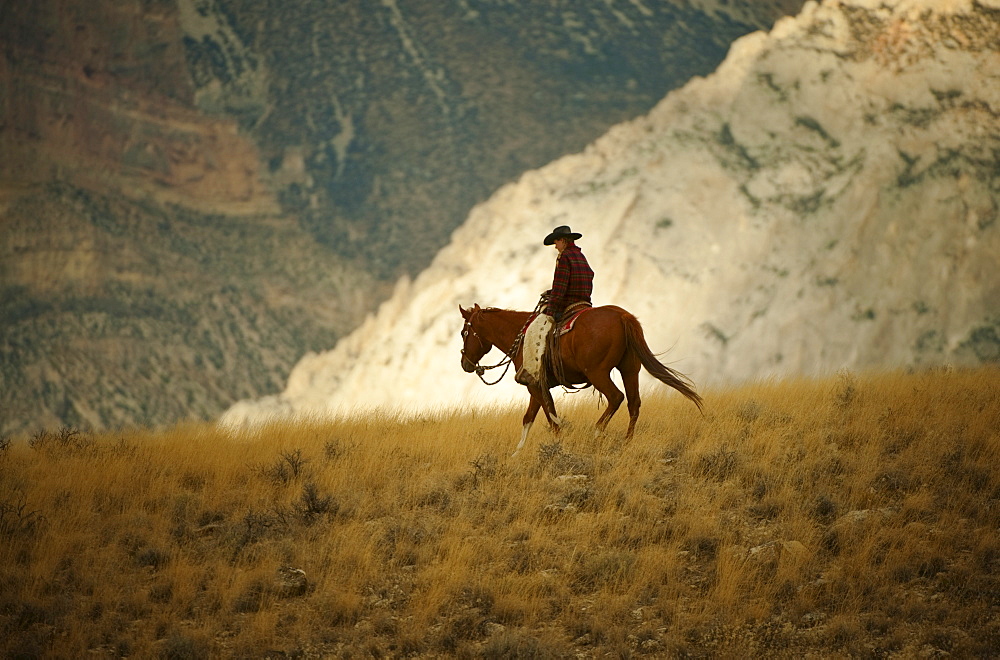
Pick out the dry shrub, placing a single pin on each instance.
(181, 646)
(514, 644)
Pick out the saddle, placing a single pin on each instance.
(553, 355)
(567, 322)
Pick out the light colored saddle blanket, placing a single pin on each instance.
(539, 334)
(533, 349)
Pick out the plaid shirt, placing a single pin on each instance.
(573, 281)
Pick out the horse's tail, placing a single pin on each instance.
(636, 342)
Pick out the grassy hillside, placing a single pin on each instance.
(851, 516)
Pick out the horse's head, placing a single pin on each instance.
(474, 347)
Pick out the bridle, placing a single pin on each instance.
(508, 357)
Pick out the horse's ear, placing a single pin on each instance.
(477, 307)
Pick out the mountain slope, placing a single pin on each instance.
(397, 117)
(134, 312)
(826, 199)
(194, 193)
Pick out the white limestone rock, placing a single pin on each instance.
(827, 199)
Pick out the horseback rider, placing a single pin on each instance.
(572, 286)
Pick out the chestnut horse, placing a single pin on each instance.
(602, 339)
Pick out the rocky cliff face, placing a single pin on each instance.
(384, 123)
(194, 193)
(826, 199)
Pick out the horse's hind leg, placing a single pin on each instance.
(630, 378)
(602, 383)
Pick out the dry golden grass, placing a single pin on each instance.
(855, 516)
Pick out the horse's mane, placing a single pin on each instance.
(496, 309)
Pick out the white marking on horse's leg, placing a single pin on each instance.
(524, 436)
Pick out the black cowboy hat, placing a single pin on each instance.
(562, 232)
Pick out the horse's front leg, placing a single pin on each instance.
(540, 398)
(548, 406)
(534, 403)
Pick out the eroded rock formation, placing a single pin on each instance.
(194, 193)
(827, 199)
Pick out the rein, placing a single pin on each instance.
(508, 357)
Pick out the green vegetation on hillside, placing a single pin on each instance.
(134, 312)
